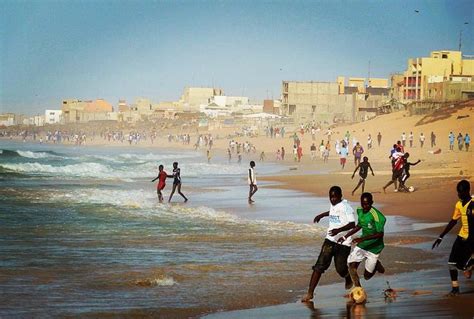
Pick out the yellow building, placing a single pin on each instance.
(359, 83)
(378, 83)
(438, 67)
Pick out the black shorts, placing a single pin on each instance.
(329, 250)
(461, 253)
(396, 174)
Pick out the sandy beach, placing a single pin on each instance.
(416, 269)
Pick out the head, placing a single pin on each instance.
(252, 164)
(175, 165)
(398, 142)
(464, 189)
(335, 195)
(406, 155)
(160, 168)
(394, 146)
(357, 143)
(366, 201)
(365, 159)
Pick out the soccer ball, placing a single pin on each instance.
(358, 295)
(411, 189)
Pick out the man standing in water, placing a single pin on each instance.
(463, 247)
(341, 219)
(252, 181)
(176, 182)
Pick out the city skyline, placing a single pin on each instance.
(125, 50)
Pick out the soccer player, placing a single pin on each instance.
(341, 218)
(463, 247)
(363, 172)
(370, 244)
(252, 180)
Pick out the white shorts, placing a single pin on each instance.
(358, 254)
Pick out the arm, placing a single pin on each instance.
(448, 228)
(155, 179)
(358, 166)
(318, 217)
(336, 231)
(371, 170)
(350, 233)
(415, 162)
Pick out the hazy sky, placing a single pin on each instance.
(51, 50)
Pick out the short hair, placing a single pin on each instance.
(175, 163)
(463, 185)
(336, 189)
(365, 158)
(368, 196)
(252, 163)
(161, 166)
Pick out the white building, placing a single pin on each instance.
(52, 116)
(7, 119)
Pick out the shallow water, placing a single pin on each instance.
(82, 231)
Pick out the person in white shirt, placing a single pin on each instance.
(252, 180)
(341, 219)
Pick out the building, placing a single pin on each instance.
(438, 67)
(7, 119)
(98, 106)
(396, 86)
(122, 106)
(456, 88)
(272, 106)
(318, 101)
(52, 116)
(194, 97)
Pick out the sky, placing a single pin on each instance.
(55, 50)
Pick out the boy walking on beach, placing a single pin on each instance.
(252, 180)
(370, 244)
(341, 218)
(176, 182)
(363, 172)
(463, 247)
(161, 182)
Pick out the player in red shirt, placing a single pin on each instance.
(161, 182)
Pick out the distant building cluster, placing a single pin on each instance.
(444, 76)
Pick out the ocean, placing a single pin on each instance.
(82, 232)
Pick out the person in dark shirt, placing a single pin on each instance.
(176, 182)
(406, 173)
(363, 172)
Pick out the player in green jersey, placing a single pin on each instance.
(370, 244)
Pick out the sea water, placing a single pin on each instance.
(82, 232)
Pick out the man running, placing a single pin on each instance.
(363, 172)
(341, 218)
(463, 247)
(176, 182)
(406, 173)
(370, 244)
(252, 180)
(357, 151)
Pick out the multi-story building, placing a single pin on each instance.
(194, 97)
(272, 106)
(52, 116)
(438, 67)
(7, 119)
(319, 101)
(456, 88)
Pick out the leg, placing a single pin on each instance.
(358, 185)
(363, 185)
(179, 192)
(340, 261)
(322, 264)
(353, 273)
(172, 192)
